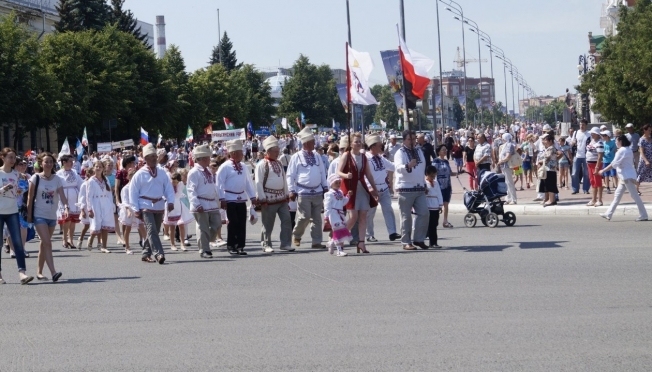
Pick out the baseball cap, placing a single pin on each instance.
(606, 133)
(392, 136)
(595, 130)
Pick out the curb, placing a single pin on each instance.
(538, 210)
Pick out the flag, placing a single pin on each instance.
(360, 67)
(160, 138)
(284, 123)
(144, 137)
(65, 148)
(274, 127)
(383, 123)
(478, 103)
(299, 123)
(28, 153)
(228, 124)
(208, 129)
(250, 129)
(303, 118)
(189, 136)
(80, 150)
(400, 124)
(415, 68)
(84, 140)
(333, 123)
(341, 92)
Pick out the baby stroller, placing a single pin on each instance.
(486, 202)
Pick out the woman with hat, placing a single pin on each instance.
(381, 170)
(354, 168)
(235, 187)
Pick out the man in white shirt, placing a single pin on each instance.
(204, 200)
(392, 147)
(272, 194)
(580, 139)
(634, 138)
(306, 180)
(381, 170)
(149, 190)
(234, 186)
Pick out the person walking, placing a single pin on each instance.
(149, 193)
(435, 203)
(623, 163)
(335, 214)
(381, 170)
(204, 200)
(354, 169)
(634, 138)
(444, 174)
(273, 197)
(179, 216)
(234, 187)
(411, 189)
(100, 205)
(71, 183)
(469, 163)
(9, 192)
(506, 151)
(581, 139)
(594, 160)
(45, 191)
(306, 180)
(548, 180)
(645, 152)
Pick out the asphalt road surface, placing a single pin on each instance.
(549, 294)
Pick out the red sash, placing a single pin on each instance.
(352, 184)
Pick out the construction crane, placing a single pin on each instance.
(460, 61)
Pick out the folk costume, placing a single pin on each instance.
(380, 168)
(202, 192)
(100, 202)
(71, 184)
(409, 184)
(235, 187)
(334, 211)
(272, 192)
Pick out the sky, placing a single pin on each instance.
(542, 38)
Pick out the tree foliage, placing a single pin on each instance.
(621, 83)
(82, 15)
(125, 21)
(386, 109)
(229, 59)
(311, 90)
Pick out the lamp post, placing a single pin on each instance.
(585, 65)
(457, 9)
(473, 24)
(502, 58)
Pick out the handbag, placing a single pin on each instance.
(515, 161)
(542, 172)
(23, 207)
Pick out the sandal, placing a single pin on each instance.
(448, 225)
(66, 245)
(362, 249)
(148, 259)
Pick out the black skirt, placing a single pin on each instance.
(549, 184)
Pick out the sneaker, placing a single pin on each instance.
(608, 190)
(436, 246)
(221, 243)
(537, 199)
(186, 242)
(206, 255)
(268, 249)
(104, 250)
(287, 249)
(394, 236)
(341, 254)
(128, 251)
(79, 244)
(173, 248)
(213, 244)
(12, 255)
(604, 215)
(372, 239)
(640, 219)
(165, 237)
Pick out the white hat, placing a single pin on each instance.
(202, 151)
(392, 136)
(629, 125)
(270, 142)
(502, 131)
(606, 133)
(160, 152)
(306, 135)
(149, 150)
(371, 140)
(603, 127)
(234, 145)
(332, 178)
(547, 127)
(507, 137)
(344, 143)
(595, 130)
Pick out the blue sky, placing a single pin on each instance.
(542, 38)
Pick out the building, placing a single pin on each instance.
(277, 79)
(148, 30)
(453, 83)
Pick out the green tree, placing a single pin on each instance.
(311, 91)
(369, 111)
(181, 112)
(458, 113)
(67, 21)
(80, 15)
(386, 110)
(229, 60)
(258, 102)
(216, 98)
(621, 83)
(125, 21)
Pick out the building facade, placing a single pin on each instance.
(454, 86)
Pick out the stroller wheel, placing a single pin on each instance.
(470, 220)
(492, 220)
(509, 218)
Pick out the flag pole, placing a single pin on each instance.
(348, 95)
(441, 87)
(406, 121)
(348, 82)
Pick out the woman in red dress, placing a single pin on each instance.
(353, 168)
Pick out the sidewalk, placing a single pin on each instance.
(573, 205)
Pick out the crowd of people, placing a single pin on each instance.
(331, 184)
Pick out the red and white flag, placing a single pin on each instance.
(415, 68)
(228, 124)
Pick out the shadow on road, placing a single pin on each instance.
(98, 280)
(537, 245)
(483, 248)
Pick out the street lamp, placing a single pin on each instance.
(487, 39)
(501, 56)
(457, 9)
(468, 22)
(585, 65)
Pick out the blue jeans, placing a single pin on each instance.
(579, 165)
(13, 227)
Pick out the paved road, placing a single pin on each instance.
(551, 293)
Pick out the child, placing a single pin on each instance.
(527, 154)
(83, 207)
(518, 171)
(99, 201)
(180, 215)
(126, 215)
(564, 163)
(334, 202)
(435, 202)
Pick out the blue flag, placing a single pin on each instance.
(250, 129)
(80, 150)
(303, 118)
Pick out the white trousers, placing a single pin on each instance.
(511, 186)
(385, 202)
(631, 187)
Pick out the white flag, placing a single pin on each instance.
(284, 123)
(360, 67)
(65, 148)
(383, 124)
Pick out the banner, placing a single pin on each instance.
(392, 64)
(228, 135)
(462, 100)
(478, 103)
(122, 144)
(341, 92)
(104, 147)
(65, 148)
(360, 66)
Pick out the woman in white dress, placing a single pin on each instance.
(180, 215)
(82, 204)
(100, 205)
(71, 183)
(126, 215)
